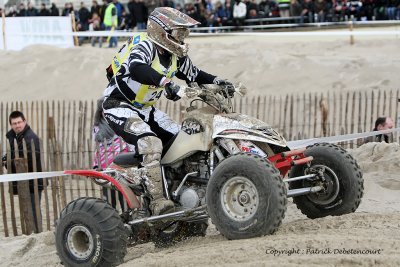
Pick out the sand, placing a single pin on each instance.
(266, 65)
(368, 237)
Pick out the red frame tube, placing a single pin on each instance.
(129, 196)
(285, 160)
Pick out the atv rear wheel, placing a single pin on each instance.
(89, 232)
(246, 197)
(343, 185)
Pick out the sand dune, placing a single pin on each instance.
(266, 65)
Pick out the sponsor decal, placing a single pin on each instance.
(159, 22)
(111, 118)
(192, 126)
(136, 40)
(96, 256)
(116, 62)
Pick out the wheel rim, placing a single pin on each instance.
(80, 242)
(331, 187)
(239, 198)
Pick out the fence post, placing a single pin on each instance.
(351, 29)
(3, 200)
(24, 195)
(76, 41)
(3, 18)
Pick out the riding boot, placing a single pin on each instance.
(159, 204)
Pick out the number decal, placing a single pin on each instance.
(155, 95)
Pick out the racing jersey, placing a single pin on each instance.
(138, 77)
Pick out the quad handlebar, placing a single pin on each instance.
(216, 96)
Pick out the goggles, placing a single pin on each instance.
(180, 34)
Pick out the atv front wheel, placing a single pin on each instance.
(342, 182)
(246, 197)
(89, 232)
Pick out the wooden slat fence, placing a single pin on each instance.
(64, 128)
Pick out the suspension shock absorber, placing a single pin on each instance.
(230, 146)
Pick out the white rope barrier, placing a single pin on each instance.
(300, 33)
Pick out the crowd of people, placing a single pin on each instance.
(134, 14)
(221, 13)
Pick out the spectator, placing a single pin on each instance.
(340, 7)
(308, 11)
(20, 131)
(264, 9)
(368, 9)
(284, 8)
(54, 10)
(84, 16)
(44, 12)
(228, 11)
(111, 23)
(167, 3)
(68, 8)
(381, 123)
(391, 9)
(221, 16)
(95, 8)
(95, 25)
(354, 8)
(139, 14)
(103, 11)
(125, 21)
(239, 13)
(22, 10)
(32, 11)
(269, 8)
(209, 6)
(320, 10)
(252, 9)
(119, 8)
(12, 12)
(295, 9)
(380, 9)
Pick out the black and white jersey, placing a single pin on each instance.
(142, 72)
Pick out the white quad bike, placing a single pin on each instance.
(222, 165)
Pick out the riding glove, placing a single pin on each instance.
(171, 91)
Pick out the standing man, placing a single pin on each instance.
(111, 22)
(20, 131)
(138, 12)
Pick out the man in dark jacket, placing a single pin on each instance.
(138, 11)
(20, 131)
(381, 124)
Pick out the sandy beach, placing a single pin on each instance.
(368, 237)
(266, 65)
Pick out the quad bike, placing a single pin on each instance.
(222, 165)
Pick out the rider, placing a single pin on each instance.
(141, 71)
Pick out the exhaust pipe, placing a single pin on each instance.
(183, 213)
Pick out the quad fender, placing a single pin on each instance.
(239, 126)
(129, 196)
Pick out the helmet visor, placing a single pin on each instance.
(180, 34)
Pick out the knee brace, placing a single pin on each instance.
(150, 147)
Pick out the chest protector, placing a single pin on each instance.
(146, 95)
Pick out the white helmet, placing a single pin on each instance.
(168, 28)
